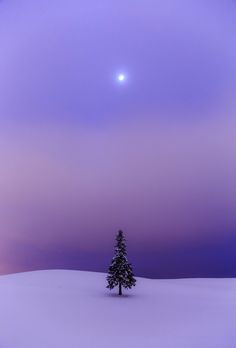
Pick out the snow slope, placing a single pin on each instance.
(47, 309)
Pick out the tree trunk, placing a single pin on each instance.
(120, 289)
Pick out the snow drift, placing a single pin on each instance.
(46, 309)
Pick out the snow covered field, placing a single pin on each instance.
(60, 309)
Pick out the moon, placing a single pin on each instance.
(121, 77)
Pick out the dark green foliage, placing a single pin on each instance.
(120, 272)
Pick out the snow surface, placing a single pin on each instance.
(58, 308)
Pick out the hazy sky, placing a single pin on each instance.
(83, 155)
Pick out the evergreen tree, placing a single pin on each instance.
(120, 272)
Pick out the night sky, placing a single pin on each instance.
(83, 154)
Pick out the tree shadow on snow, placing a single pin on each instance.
(114, 295)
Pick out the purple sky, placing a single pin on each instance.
(82, 155)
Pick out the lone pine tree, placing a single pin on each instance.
(120, 272)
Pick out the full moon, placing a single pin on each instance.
(121, 77)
